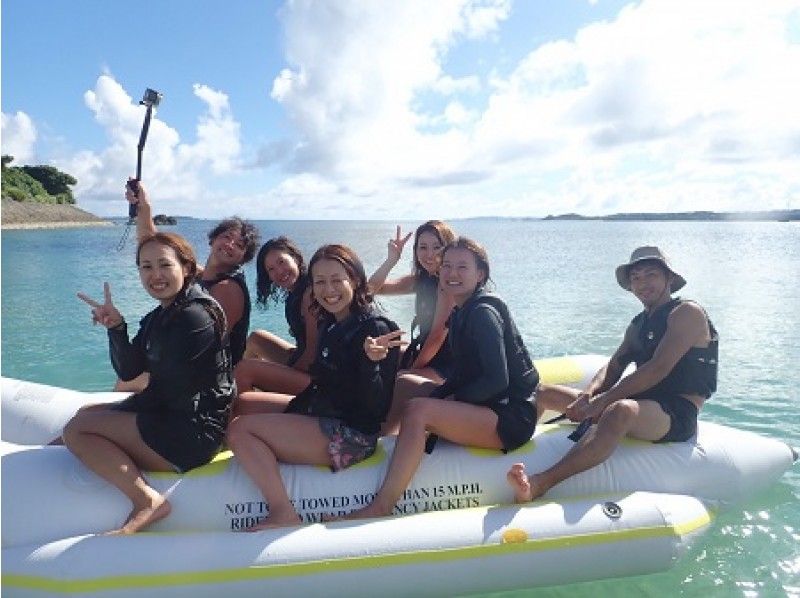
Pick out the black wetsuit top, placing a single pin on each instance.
(238, 334)
(490, 367)
(426, 288)
(189, 364)
(696, 371)
(345, 383)
(293, 309)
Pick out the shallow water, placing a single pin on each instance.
(558, 279)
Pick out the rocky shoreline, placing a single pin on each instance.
(27, 215)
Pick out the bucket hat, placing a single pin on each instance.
(641, 254)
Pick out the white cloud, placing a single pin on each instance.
(178, 170)
(19, 137)
(672, 105)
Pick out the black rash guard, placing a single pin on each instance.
(345, 383)
(481, 370)
(191, 381)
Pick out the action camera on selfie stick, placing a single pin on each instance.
(151, 99)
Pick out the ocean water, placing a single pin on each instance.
(558, 280)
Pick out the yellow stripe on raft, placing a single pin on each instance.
(257, 572)
(558, 370)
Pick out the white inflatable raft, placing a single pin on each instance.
(457, 538)
(36, 413)
(486, 549)
(48, 494)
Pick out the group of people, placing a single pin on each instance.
(199, 382)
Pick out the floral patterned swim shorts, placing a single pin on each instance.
(347, 445)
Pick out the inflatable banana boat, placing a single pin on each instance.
(636, 513)
(484, 549)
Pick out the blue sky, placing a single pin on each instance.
(411, 110)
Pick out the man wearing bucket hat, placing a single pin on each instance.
(674, 346)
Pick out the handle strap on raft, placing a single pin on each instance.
(582, 428)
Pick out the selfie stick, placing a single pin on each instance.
(151, 99)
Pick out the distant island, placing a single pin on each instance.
(755, 216)
(164, 220)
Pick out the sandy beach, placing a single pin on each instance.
(30, 215)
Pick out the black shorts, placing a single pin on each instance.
(682, 416)
(516, 421)
(185, 440)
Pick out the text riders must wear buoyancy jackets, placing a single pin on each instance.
(345, 383)
(696, 371)
(237, 334)
(490, 359)
(188, 361)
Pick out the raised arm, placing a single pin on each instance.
(438, 333)
(144, 214)
(377, 283)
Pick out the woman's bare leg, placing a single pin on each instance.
(138, 384)
(255, 402)
(461, 423)
(406, 387)
(268, 376)
(260, 442)
(265, 345)
(108, 443)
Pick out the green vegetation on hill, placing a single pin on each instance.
(41, 184)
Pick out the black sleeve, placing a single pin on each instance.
(485, 335)
(375, 378)
(127, 357)
(189, 350)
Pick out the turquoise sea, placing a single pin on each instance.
(558, 279)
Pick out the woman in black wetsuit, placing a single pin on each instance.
(272, 364)
(484, 402)
(336, 420)
(178, 421)
(428, 355)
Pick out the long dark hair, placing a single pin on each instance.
(355, 270)
(265, 288)
(442, 231)
(186, 257)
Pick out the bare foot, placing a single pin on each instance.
(277, 519)
(142, 517)
(525, 487)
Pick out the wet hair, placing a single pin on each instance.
(265, 288)
(477, 250)
(441, 231)
(355, 271)
(247, 229)
(186, 257)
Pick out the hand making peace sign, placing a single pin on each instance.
(377, 348)
(105, 313)
(396, 245)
